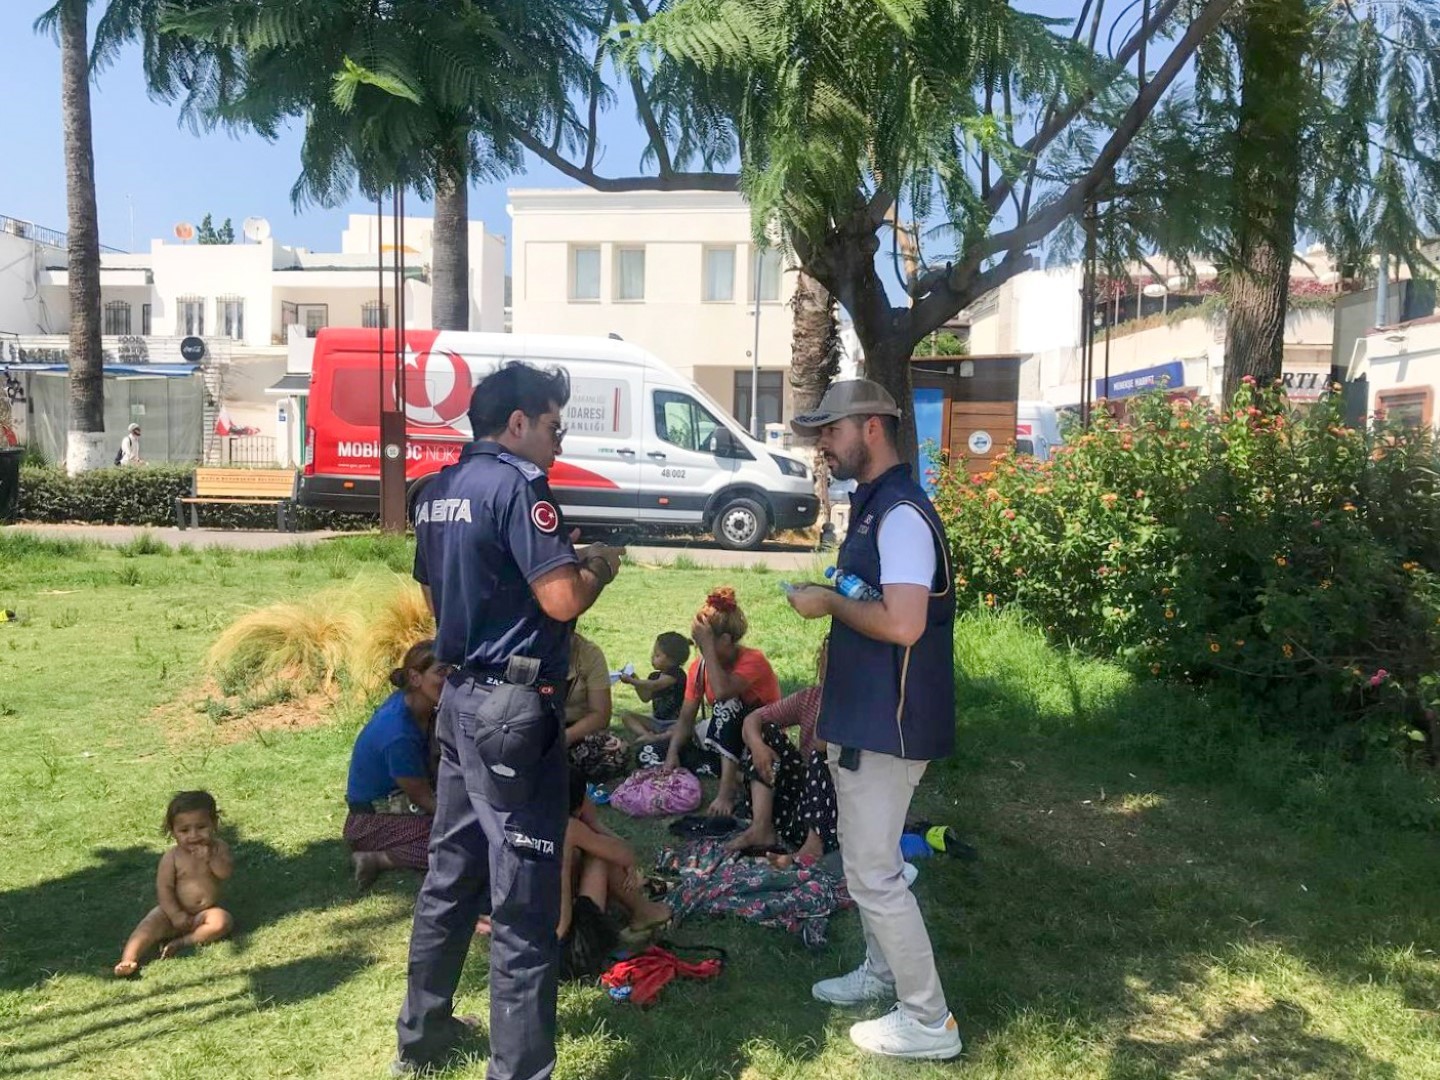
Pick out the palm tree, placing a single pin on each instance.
(412, 93)
(814, 363)
(85, 440)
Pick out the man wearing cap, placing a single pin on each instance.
(130, 448)
(506, 585)
(887, 710)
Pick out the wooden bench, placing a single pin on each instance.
(238, 487)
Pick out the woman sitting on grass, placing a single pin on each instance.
(792, 794)
(596, 752)
(733, 679)
(391, 789)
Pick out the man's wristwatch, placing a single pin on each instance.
(602, 571)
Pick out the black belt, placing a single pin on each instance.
(493, 676)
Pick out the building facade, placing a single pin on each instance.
(675, 272)
(1142, 333)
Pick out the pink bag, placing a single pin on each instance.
(656, 793)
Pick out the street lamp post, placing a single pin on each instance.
(755, 353)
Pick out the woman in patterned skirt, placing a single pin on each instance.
(391, 789)
(792, 794)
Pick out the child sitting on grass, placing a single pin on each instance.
(664, 690)
(188, 884)
(601, 867)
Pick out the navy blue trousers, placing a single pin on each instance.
(485, 859)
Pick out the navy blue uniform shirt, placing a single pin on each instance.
(486, 528)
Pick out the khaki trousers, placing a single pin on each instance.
(873, 801)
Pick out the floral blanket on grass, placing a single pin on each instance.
(711, 881)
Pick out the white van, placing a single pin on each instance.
(645, 446)
(1037, 429)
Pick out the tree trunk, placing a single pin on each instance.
(450, 273)
(814, 363)
(1266, 189)
(887, 362)
(85, 442)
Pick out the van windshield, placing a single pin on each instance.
(683, 421)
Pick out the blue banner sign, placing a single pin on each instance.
(1169, 376)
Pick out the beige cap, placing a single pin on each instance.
(849, 397)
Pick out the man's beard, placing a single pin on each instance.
(853, 466)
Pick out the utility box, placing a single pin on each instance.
(965, 406)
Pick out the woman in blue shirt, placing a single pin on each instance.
(391, 790)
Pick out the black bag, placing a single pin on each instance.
(585, 951)
(120, 455)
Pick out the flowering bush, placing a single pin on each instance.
(1266, 547)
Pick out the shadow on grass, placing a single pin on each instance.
(1276, 1041)
(79, 922)
(170, 1008)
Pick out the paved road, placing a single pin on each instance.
(774, 556)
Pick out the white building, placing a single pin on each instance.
(675, 272)
(1401, 368)
(256, 304)
(1038, 313)
(251, 292)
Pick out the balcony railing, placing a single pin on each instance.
(28, 230)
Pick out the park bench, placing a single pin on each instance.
(238, 487)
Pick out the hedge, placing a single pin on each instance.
(146, 496)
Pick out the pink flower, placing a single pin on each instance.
(1009, 515)
(1248, 380)
(1379, 677)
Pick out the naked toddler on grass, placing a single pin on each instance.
(188, 885)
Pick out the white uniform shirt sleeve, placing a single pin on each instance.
(907, 548)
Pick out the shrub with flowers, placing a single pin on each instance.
(1271, 548)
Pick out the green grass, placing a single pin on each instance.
(1161, 894)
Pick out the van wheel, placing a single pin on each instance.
(741, 525)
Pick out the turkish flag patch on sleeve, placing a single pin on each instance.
(545, 517)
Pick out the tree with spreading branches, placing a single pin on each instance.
(995, 125)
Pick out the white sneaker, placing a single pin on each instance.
(898, 1034)
(859, 986)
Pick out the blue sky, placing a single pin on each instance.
(147, 164)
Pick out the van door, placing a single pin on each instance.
(680, 471)
(597, 475)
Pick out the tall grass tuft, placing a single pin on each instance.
(400, 618)
(304, 644)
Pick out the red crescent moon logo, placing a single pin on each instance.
(545, 517)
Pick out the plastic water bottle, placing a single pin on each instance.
(852, 585)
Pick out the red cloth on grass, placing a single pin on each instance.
(649, 972)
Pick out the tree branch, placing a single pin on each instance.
(642, 102)
(1060, 119)
(1030, 232)
(675, 181)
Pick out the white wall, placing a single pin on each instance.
(673, 321)
(27, 304)
(213, 271)
(1403, 357)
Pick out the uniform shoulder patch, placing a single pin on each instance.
(527, 469)
(545, 517)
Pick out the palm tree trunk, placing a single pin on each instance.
(1266, 189)
(450, 273)
(814, 363)
(85, 442)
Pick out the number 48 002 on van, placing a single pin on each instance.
(645, 445)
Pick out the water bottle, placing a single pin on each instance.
(852, 585)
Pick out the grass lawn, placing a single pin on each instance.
(1137, 912)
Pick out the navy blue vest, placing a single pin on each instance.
(882, 697)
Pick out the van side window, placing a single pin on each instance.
(1025, 446)
(683, 421)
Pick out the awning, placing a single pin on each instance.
(290, 385)
(119, 371)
